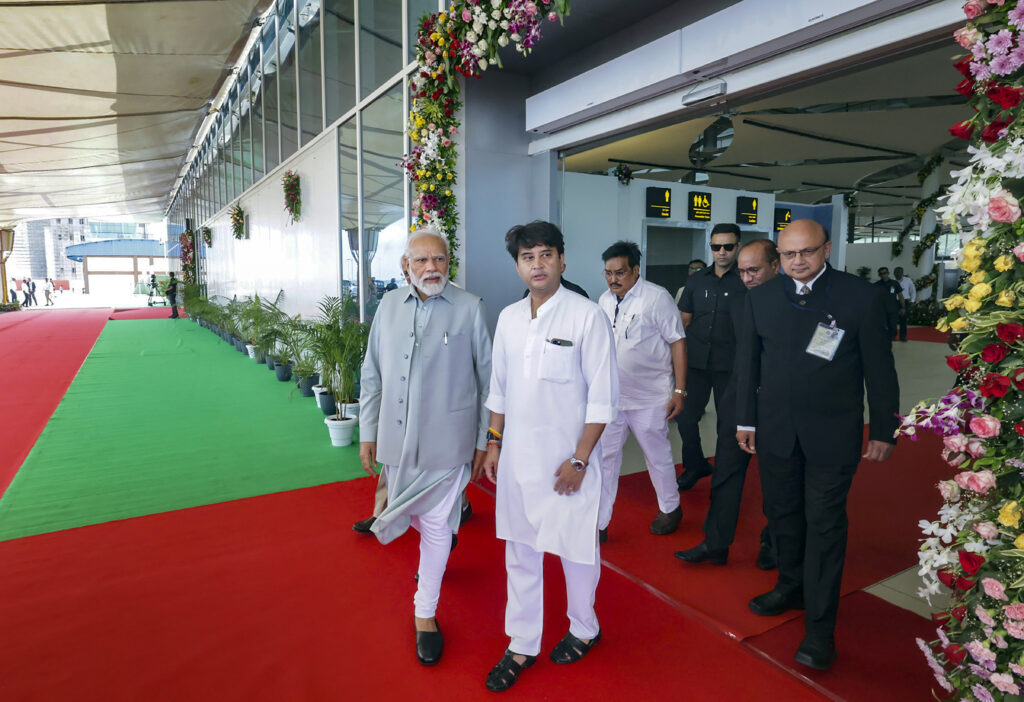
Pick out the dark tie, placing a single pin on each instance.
(618, 301)
(804, 290)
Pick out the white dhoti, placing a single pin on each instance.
(524, 613)
(650, 427)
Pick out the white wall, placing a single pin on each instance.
(878, 254)
(300, 258)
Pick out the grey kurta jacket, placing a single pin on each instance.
(455, 358)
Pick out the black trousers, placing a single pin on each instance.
(806, 504)
(727, 478)
(891, 323)
(902, 316)
(174, 308)
(700, 384)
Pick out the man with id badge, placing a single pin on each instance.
(554, 387)
(810, 343)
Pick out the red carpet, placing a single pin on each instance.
(43, 351)
(878, 659)
(145, 313)
(275, 598)
(885, 504)
(927, 334)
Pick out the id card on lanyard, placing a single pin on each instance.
(825, 341)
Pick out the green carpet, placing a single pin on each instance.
(164, 415)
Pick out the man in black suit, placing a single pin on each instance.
(809, 345)
(892, 298)
(172, 296)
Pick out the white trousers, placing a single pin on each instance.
(435, 545)
(650, 427)
(524, 613)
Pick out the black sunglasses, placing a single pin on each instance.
(719, 247)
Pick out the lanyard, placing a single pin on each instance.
(802, 304)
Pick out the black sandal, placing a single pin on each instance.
(506, 672)
(570, 649)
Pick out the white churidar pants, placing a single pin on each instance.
(435, 546)
(524, 613)
(650, 427)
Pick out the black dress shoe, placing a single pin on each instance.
(467, 513)
(689, 477)
(766, 559)
(429, 645)
(819, 655)
(667, 522)
(602, 535)
(773, 603)
(701, 552)
(363, 527)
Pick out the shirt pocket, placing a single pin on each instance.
(557, 362)
(457, 355)
(637, 331)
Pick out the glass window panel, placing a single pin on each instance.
(417, 8)
(273, 156)
(310, 85)
(245, 137)
(256, 102)
(339, 57)
(384, 230)
(349, 208)
(286, 79)
(380, 42)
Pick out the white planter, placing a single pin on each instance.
(317, 389)
(351, 409)
(341, 430)
(251, 349)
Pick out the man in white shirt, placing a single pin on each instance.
(554, 387)
(909, 296)
(650, 348)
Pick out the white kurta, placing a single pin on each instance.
(547, 392)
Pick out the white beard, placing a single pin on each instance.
(428, 288)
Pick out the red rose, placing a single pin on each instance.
(965, 87)
(964, 65)
(941, 618)
(1010, 333)
(1017, 377)
(994, 353)
(959, 363)
(964, 584)
(962, 130)
(955, 653)
(995, 385)
(945, 576)
(991, 132)
(970, 562)
(1005, 97)
(959, 612)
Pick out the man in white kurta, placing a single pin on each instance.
(554, 386)
(651, 352)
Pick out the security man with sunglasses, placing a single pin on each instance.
(711, 343)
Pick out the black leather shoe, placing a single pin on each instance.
(819, 655)
(467, 513)
(363, 527)
(602, 535)
(773, 603)
(766, 559)
(429, 645)
(667, 522)
(455, 542)
(689, 477)
(701, 552)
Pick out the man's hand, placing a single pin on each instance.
(368, 457)
(675, 406)
(879, 451)
(478, 464)
(568, 479)
(745, 438)
(490, 463)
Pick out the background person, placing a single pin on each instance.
(810, 343)
(909, 297)
(48, 291)
(650, 350)
(893, 300)
(172, 295)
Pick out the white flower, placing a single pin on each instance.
(472, 36)
(496, 15)
(482, 63)
(478, 25)
(502, 40)
(493, 61)
(482, 45)
(492, 24)
(515, 37)
(495, 4)
(504, 24)
(928, 528)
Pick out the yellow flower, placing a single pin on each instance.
(448, 193)
(431, 188)
(1009, 515)
(1006, 298)
(972, 305)
(1003, 263)
(958, 324)
(942, 325)
(954, 302)
(419, 173)
(971, 263)
(1019, 542)
(435, 36)
(441, 17)
(440, 42)
(975, 246)
(423, 187)
(980, 291)
(450, 176)
(428, 174)
(977, 277)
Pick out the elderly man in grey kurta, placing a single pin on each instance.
(421, 413)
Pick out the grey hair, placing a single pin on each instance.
(420, 233)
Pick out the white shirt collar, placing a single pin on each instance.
(810, 283)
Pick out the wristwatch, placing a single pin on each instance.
(579, 465)
(678, 391)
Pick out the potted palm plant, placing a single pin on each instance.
(338, 345)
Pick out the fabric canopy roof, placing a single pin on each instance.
(100, 102)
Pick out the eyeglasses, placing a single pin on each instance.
(719, 247)
(618, 275)
(802, 253)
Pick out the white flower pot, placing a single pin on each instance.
(341, 430)
(317, 389)
(351, 409)
(251, 349)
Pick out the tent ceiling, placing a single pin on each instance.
(100, 102)
(829, 136)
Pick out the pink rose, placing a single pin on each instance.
(986, 426)
(1014, 629)
(982, 614)
(531, 9)
(1003, 207)
(967, 37)
(994, 589)
(1004, 683)
(954, 459)
(974, 8)
(1018, 251)
(467, 17)
(552, 17)
(975, 448)
(949, 490)
(987, 530)
(956, 442)
(1014, 611)
(981, 481)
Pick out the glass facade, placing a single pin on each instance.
(337, 64)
